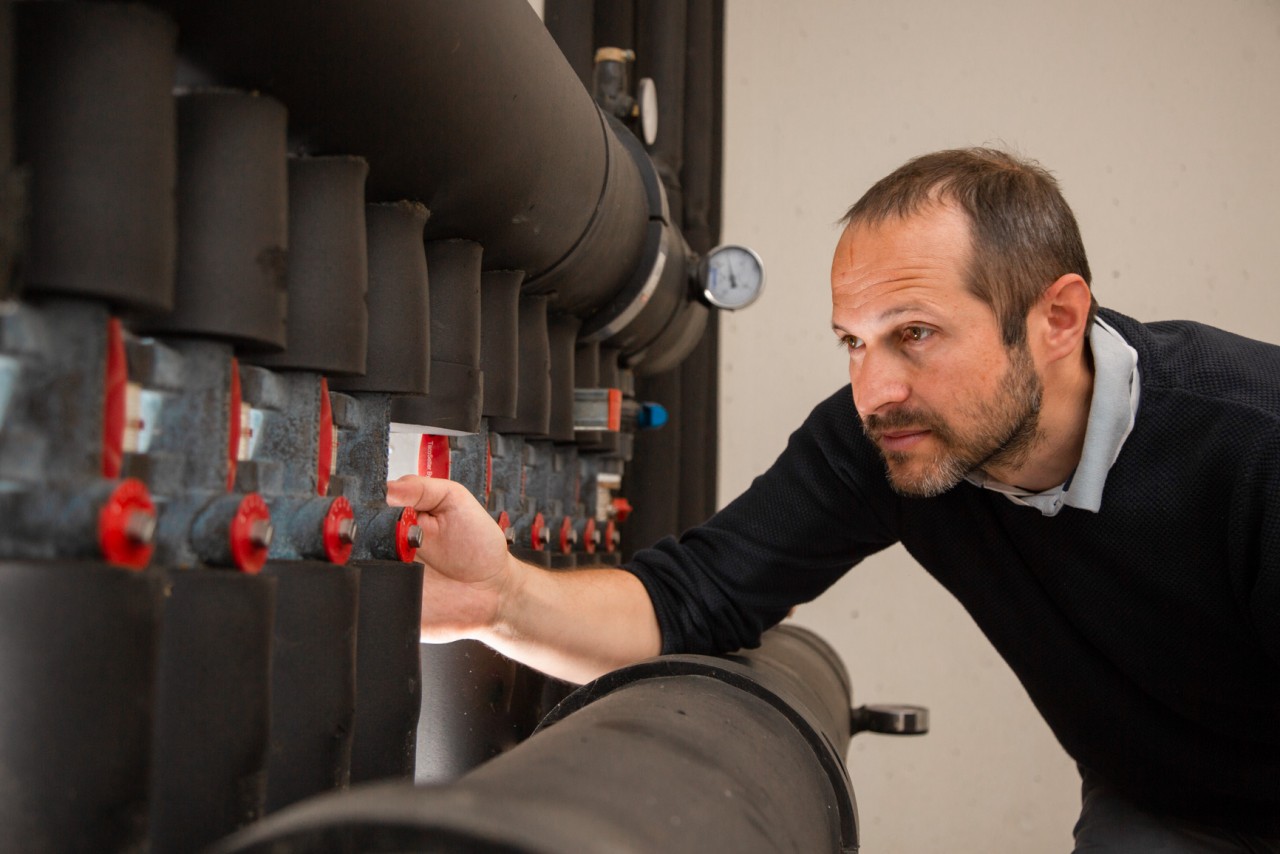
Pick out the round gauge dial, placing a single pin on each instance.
(732, 277)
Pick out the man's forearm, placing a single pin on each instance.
(574, 624)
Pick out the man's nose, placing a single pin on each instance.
(879, 382)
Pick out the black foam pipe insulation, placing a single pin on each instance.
(327, 323)
(500, 341)
(647, 758)
(233, 217)
(95, 129)
(398, 359)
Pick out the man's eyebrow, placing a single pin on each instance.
(887, 314)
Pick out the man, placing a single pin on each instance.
(1101, 495)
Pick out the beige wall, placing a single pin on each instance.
(1161, 119)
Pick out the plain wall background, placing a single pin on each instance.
(1161, 119)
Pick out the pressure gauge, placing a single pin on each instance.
(731, 277)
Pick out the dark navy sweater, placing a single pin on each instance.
(1147, 634)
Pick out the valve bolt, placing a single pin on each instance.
(414, 537)
(140, 528)
(347, 531)
(261, 533)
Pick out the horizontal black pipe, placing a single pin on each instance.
(451, 103)
(677, 754)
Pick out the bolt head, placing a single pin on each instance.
(140, 527)
(347, 531)
(261, 533)
(413, 536)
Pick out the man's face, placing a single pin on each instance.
(936, 389)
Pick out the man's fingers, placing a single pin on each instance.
(424, 494)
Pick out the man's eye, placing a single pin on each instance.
(849, 342)
(916, 334)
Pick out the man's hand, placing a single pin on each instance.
(465, 554)
(574, 624)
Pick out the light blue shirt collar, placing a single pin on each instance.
(1112, 411)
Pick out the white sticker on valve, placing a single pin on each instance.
(142, 421)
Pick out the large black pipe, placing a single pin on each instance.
(77, 652)
(660, 56)
(648, 758)
(570, 24)
(95, 126)
(313, 690)
(455, 129)
(208, 771)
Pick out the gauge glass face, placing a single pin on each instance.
(734, 277)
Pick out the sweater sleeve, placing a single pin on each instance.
(820, 508)
(1264, 603)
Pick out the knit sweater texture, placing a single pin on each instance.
(1147, 634)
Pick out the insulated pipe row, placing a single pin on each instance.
(214, 631)
(648, 758)
(285, 389)
(575, 225)
(587, 227)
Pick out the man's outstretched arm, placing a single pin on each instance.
(574, 625)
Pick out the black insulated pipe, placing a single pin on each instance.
(533, 404)
(388, 672)
(648, 758)
(364, 78)
(500, 341)
(660, 56)
(476, 704)
(327, 320)
(78, 651)
(13, 201)
(457, 384)
(570, 23)
(562, 334)
(313, 679)
(233, 219)
(399, 352)
(209, 759)
(95, 126)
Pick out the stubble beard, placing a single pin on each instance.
(1007, 429)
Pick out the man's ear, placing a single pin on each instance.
(1058, 321)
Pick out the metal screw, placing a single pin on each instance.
(546, 536)
(347, 531)
(413, 537)
(140, 528)
(261, 533)
(511, 535)
(596, 537)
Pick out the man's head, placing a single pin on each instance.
(1024, 235)
(960, 288)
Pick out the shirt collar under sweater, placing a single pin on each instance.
(1112, 411)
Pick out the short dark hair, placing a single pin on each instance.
(1024, 235)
